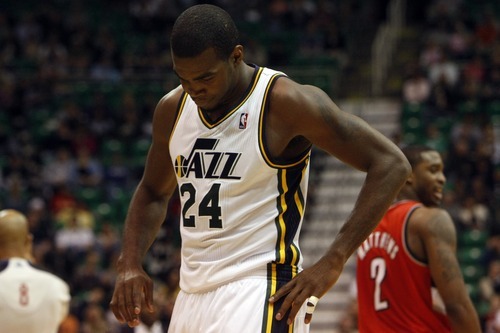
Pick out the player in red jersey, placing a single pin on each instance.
(408, 276)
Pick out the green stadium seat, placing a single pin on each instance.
(475, 238)
(469, 255)
(468, 107)
(472, 273)
(120, 199)
(482, 307)
(91, 196)
(411, 110)
(139, 152)
(109, 148)
(493, 108)
(473, 290)
(105, 212)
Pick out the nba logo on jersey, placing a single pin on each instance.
(243, 120)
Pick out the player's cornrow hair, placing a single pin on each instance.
(201, 27)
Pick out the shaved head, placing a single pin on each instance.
(14, 234)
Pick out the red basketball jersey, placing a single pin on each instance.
(394, 288)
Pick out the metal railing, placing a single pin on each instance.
(384, 44)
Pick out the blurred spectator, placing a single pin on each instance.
(117, 174)
(87, 171)
(436, 139)
(42, 228)
(76, 235)
(441, 102)
(474, 70)
(460, 41)
(416, 88)
(473, 214)
(444, 69)
(487, 29)
(50, 104)
(16, 196)
(255, 52)
(104, 69)
(59, 170)
(88, 274)
(349, 319)
(70, 324)
(129, 126)
(94, 320)
(61, 199)
(491, 87)
(431, 54)
(492, 320)
(101, 116)
(108, 243)
(492, 251)
(60, 138)
(489, 285)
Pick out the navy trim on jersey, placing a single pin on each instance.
(406, 233)
(3, 264)
(277, 276)
(290, 204)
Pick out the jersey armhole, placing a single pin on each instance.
(276, 162)
(410, 253)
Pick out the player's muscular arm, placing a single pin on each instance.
(148, 206)
(146, 213)
(438, 234)
(310, 114)
(307, 112)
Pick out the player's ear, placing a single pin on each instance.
(410, 179)
(237, 54)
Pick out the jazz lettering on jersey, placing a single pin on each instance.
(205, 162)
(379, 240)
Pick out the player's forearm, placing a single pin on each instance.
(381, 187)
(144, 218)
(463, 317)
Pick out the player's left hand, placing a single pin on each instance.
(313, 281)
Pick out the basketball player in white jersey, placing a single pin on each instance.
(31, 300)
(236, 141)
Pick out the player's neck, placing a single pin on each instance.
(242, 84)
(407, 194)
(6, 254)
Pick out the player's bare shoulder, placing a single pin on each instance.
(298, 107)
(290, 94)
(434, 222)
(166, 110)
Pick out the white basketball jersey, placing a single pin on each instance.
(241, 211)
(31, 300)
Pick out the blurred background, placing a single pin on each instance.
(79, 81)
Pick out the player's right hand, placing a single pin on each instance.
(133, 289)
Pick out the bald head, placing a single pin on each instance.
(14, 234)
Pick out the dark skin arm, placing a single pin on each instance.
(305, 115)
(147, 212)
(432, 238)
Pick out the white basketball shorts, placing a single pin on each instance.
(237, 307)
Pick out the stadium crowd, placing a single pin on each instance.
(79, 81)
(450, 99)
